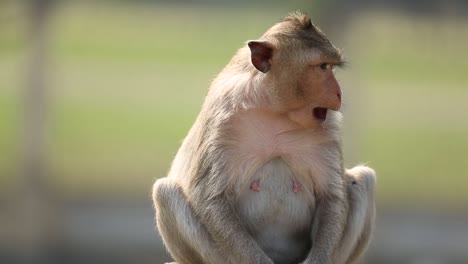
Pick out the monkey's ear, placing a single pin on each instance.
(261, 54)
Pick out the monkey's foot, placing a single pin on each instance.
(296, 186)
(254, 186)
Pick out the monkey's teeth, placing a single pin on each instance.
(320, 113)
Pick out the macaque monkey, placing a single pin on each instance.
(260, 177)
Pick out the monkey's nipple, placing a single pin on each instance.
(254, 186)
(296, 187)
(320, 113)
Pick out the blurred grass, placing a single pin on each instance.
(128, 81)
(415, 73)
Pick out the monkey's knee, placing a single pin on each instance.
(169, 204)
(165, 193)
(360, 182)
(362, 177)
(175, 221)
(165, 200)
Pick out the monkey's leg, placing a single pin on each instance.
(360, 182)
(185, 238)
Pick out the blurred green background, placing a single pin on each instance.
(126, 82)
(126, 79)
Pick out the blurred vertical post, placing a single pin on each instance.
(35, 205)
(34, 103)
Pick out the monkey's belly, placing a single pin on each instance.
(278, 215)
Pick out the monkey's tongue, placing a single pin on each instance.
(320, 113)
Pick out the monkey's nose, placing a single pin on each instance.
(339, 96)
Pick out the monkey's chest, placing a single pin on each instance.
(277, 212)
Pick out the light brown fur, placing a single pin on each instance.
(256, 126)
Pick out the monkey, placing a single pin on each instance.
(260, 177)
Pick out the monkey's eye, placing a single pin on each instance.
(326, 66)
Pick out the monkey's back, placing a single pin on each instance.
(278, 213)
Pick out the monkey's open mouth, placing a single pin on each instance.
(320, 113)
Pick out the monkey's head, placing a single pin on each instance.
(296, 61)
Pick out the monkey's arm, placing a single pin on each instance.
(329, 223)
(221, 221)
